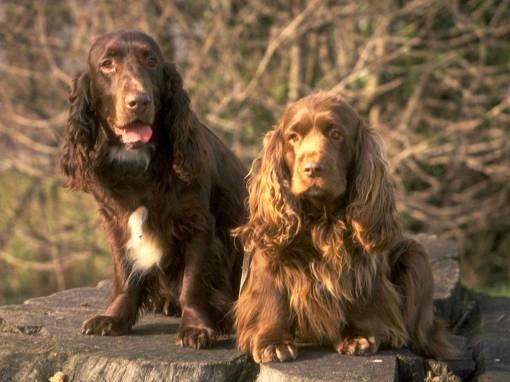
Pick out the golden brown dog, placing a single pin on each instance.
(329, 264)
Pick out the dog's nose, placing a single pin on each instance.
(137, 101)
(313, 169)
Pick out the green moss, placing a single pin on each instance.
(497, 290)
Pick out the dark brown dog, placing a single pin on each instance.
(329, 263)
(169, 191)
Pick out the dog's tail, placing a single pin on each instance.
(412, 273)
(430, 340)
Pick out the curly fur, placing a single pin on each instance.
(325, 272)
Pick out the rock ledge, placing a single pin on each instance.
(41, 340)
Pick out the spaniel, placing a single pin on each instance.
(328, 263)
(169, 191)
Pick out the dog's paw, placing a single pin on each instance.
(104, 326)
(357, 345)
(282, 352)
(196, 338)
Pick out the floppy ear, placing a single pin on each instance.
(273, 219)
(182, 123)
(80, 135)
(371, 210)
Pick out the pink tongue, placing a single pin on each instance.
(137, 134)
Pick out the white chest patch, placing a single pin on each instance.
(143, 248)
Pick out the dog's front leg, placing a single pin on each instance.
(122, 311)
(263, 320)
(197, 329)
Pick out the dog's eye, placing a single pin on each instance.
(151, 61)
(292, 138)
(335, 134)
(107, 65)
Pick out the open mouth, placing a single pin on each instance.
(134, 132)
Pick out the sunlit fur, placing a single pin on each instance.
(328, 270)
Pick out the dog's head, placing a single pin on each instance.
(321, 156)
(128, 101)
(126, 74)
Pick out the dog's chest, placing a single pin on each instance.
(144, 247)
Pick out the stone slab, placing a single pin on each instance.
(491, 340)
(316, 364)
(41, 338)
(448, 293)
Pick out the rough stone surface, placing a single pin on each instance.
(448, 293)
(41, 339)
(316, 364)
(491, 339)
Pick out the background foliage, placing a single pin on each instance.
(433, 76)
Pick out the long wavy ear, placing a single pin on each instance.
(371, 210)
(80, 135)
(182, 122)
(273, 220)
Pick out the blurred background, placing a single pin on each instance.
(432, 76)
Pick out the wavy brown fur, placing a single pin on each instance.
(189, 182)
(330, 267)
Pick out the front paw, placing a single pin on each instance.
(104, 326)
(196, 338)
(357, 345)
(281, 351)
